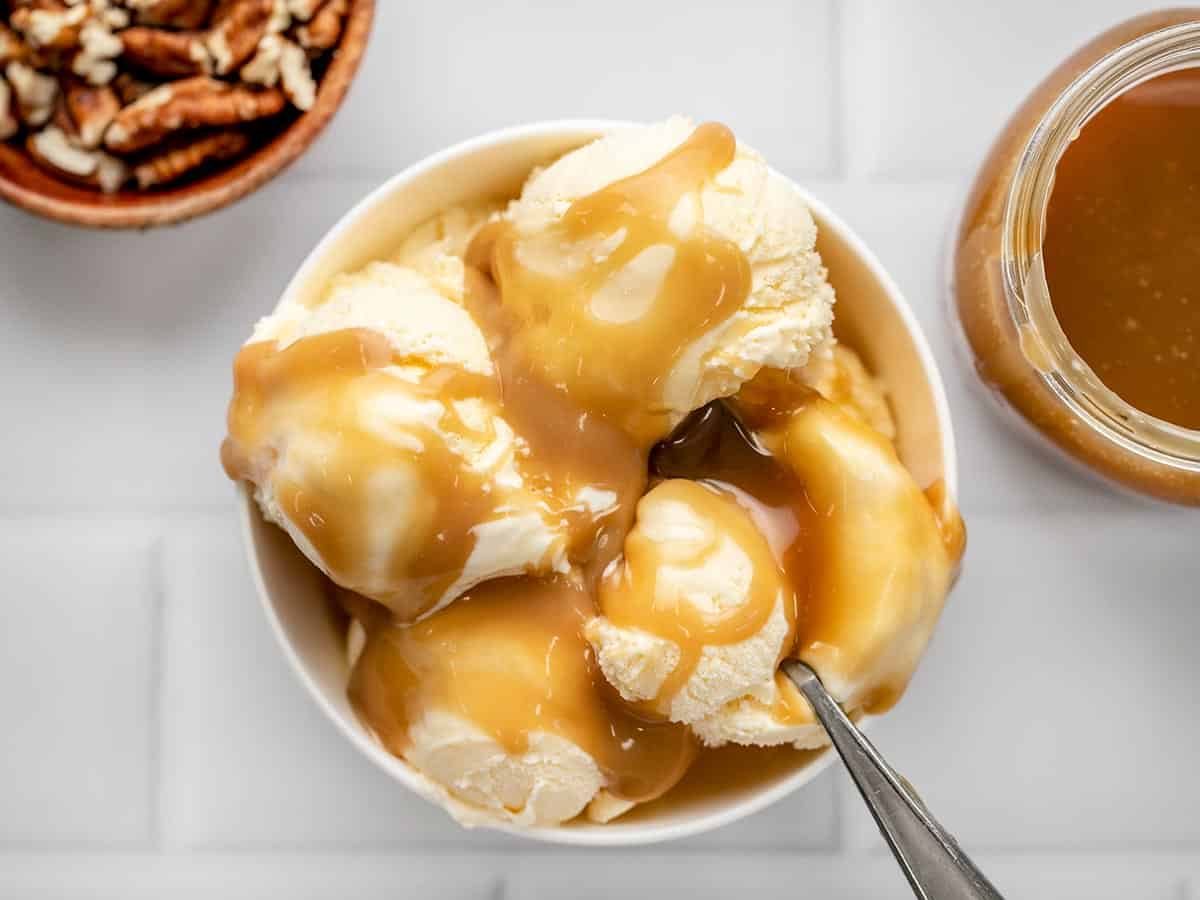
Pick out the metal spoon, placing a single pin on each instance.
(932, 861)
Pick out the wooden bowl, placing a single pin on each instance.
(26, 184)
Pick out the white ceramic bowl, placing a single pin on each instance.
(872, 316)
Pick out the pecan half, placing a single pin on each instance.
(174, 163)
(35, 92)
(53, 150)
(283, 62)
(50, 26)
(98, 47)
(197, 102)
(238, 26)
(263, 67)
(295, 76)
(325, 28)
(185, 14)
(172, 54)
(91, 109)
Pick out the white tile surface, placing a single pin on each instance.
(115, 351)
(1092, 877)
(1056, 706)
(250, 876)
(438, 73)
(600, 876)
(585, 877)
(76, 681)
(249, 759)
(929, 84)
(117, 366)
(474, 876)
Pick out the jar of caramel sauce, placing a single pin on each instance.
(1076, 267)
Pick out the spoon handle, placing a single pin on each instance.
(935, 866)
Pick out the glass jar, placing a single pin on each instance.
(999, 287)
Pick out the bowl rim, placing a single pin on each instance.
(228, 184)
(637, 834)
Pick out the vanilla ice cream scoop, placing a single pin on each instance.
(370, 426)
(698, 611)
(496, 701)
(658, 268)
(888, 555)
(436, 247)
(887, 558)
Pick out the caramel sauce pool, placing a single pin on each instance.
(716, 450)
(1122, 246)
(510, 657)
(570, 447)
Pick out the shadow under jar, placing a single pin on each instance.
(1076, 267)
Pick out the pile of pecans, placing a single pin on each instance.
(106, 93)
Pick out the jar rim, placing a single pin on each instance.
(1043, 340)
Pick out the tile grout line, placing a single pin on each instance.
(837, 111)
(144, 512)
(507, 860)
(851, 18)
(158, 651)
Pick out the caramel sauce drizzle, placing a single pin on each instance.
(326, 386)
(638, 594)
(570, 448)
(950, 523)
(586, 326)
(509, 657)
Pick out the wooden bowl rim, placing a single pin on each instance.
(130, 210)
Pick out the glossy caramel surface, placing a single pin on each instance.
(868, 556)
(325, 385)
(608, 299)
(509, 657)
(641, 593)
(1122, 246)
(982, 304)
